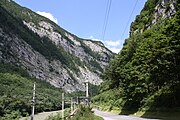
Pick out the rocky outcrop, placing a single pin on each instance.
(154, 11)
(14, 49)
(71, 44)
(165, 9)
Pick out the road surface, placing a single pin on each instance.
(112, 116)
(42, 116)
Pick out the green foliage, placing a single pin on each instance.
(96, 65)
(16, 93)
(93, 90)
(59, 115)
(146, 69)
(144, 20)
(110, 97)
(14, 115)
(7, 68)
(85, 113)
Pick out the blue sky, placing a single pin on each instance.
(85, 18)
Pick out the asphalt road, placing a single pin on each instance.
(112, 116)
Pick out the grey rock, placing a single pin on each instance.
(16, 51)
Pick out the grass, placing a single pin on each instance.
(85, 113)
(59, 115)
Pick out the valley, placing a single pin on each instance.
(141, 80)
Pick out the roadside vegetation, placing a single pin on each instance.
(59, 115)
(83, 113)
(145, 75)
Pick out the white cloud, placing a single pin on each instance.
(112, 43)
(48, 15)
(115, 50)
(114, 46)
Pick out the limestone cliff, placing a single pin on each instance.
(153, 12)
(47, 51)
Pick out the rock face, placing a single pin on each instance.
(89, 57)
(71, 44)
(154, 11)
(165, 9)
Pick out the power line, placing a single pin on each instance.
(108, 8)
(129, 19)
(105, 17)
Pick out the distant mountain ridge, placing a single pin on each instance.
(48, 52)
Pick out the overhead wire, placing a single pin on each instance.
(108, 8)
(129, 19)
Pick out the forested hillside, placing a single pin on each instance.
(145, 74)
(16, 94)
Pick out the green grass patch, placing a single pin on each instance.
(59, 115)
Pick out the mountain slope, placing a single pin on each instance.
(48, 52)
(16, 94)
(145, 74)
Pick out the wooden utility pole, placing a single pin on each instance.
(33, 102)
(63, 106)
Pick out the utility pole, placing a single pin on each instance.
(87, 92)
(71, 104)
(33, 102)
(74, 102)
(87, 89)
(63, 106)
(77, 101)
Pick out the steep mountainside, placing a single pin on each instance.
(154, 11)
(145, 74)
(48, 52)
